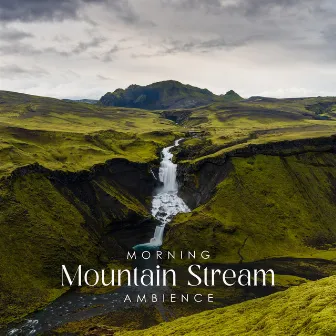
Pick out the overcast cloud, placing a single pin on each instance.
(84, 48)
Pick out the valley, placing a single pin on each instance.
(77, 183)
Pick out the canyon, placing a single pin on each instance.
(79, 183)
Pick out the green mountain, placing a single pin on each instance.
(231, 96)
(164, 95)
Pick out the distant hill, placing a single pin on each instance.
(164, 95)
(231, 96)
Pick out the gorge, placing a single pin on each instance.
(84, 184)
(166, 203)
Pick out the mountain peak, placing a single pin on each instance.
(232, 95)
(168, 94)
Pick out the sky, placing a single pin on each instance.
(85, 48)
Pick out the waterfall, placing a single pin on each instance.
(166, 203)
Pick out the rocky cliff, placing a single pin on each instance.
(164, 95)
(50, 218)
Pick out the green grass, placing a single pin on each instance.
(277, 206)
(45, 224)
(40, 230)
(307, 310)
(228, 126)
(267, 207)
(74, 136)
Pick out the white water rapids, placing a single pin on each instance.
(166, 203)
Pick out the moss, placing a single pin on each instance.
(305, 310)
(74, 136)
(268, 207)
(39, 232)
(45, 224)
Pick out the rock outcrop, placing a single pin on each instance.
(164, 95)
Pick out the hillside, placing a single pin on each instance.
(63, 197)
(75, 136)
(222, 127)
(164, 95)
(87, 101)
(307, 310)
(258, 206)
(77, 181)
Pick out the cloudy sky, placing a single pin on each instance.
(84, 48)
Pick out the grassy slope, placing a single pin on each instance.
(75, 136)
(39, 231)
(44, 224)
(267, 207)
(41, 226)
(305, 310)
(229, 126)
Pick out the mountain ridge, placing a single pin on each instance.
(167, 94)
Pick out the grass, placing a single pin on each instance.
(40, 230)
(236, 125)
(267, 207)
(46, 223)
(74, 136)
(307, 310)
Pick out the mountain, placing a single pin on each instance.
(164, 95)
(231, 96)
(304, 310)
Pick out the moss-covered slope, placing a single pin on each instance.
(307, 310)
(267, 206)
(50, 218)
(75, 136)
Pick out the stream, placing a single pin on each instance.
(166, 203)
(74, 306)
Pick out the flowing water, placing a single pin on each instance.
(74, 306)
(166, 203)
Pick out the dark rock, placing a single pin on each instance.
(164, 95)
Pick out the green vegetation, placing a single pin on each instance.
(223, 127)
(75, 205)
(231, 96)
(40, 230)
(268, 206)
(164, 95)
(47, 221)
(73, 136)
(307, 310)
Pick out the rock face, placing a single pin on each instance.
(260, 201)
(199, 180)
(164, 95)
(116, 193)
(54, 218)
